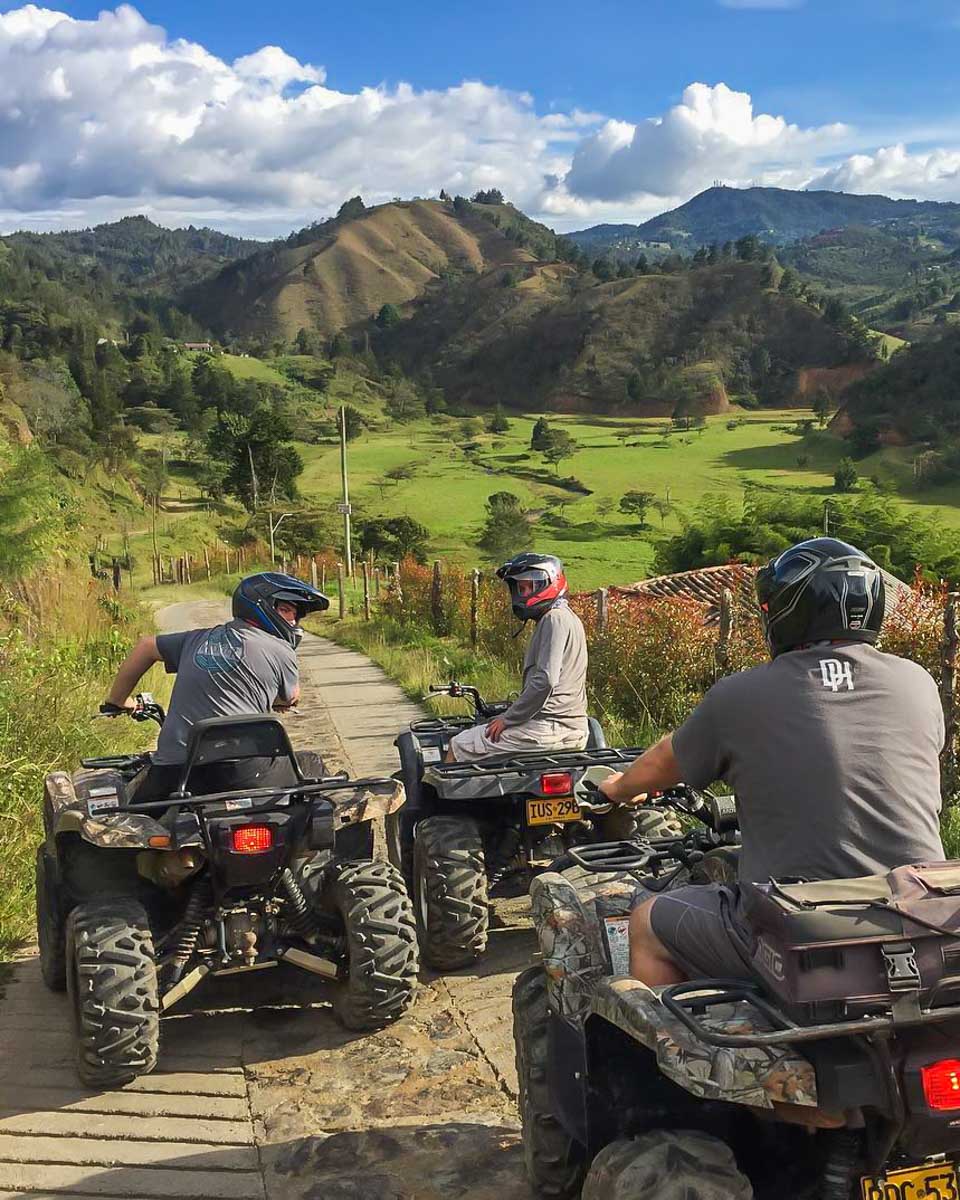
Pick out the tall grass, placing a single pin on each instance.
(61, 639)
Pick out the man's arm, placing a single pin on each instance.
(140, 659)
(654, 771)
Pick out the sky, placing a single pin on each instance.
(261, 118)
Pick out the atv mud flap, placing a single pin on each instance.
(567, 1076)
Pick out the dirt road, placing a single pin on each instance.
(260, 1095)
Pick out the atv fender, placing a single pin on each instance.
(88, 804)
(759, 1076)
(369, 802)
(568, 923)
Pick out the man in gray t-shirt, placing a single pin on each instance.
(551, 710)
(832, 749)
(246, 666)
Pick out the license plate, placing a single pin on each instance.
(938, 1182)
(553, 810)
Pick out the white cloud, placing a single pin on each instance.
(110, 116)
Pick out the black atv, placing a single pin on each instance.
(470, 831)
(833, 1075)
(139, 901)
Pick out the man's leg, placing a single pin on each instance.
(650, 961)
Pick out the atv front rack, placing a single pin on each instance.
(690, 1001)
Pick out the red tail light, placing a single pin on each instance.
(252, 839)
(941, 1084)
(556, 783)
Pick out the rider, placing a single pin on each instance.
(247, 665)
(832, 749)
(551, 711)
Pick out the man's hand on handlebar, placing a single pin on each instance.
(109, 709)
(610, 791)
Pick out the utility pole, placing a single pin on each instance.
(826, 518)
(345, 506)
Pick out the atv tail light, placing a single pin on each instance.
(252, 839)
(941, 1084)
(556, 783)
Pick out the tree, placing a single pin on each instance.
(845, 476)
(561, 446)
(663, 509)
(642, 264)
(497, 422)
(395, 538)
(541, 435)
(388, 316)
(491, 196)
(260, 462)
(351, 209)
(604, 269)
(461, 206)
(436, 402)
(506, 530)
(634, 387)
(635, 504)
(822, 403)
(353, 421)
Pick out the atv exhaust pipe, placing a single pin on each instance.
(310, 962)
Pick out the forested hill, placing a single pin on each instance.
(777, 215)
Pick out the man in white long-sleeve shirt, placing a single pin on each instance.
(551, 711)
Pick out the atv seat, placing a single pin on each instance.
(259, 737)
(595, 735)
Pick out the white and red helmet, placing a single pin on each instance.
(545, 572)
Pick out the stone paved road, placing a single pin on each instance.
(260, 1095)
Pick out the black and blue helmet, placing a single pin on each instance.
(256, 598)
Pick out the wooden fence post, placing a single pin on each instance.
(948, 689)
(188, 559)
(602, 595)
(313, 572)
(240, 557)
(436, 598)
(474, 606)
(206, 560)
(727, 621)
(366, 590)
(342, 590)
(173, 570)
(117, 575)
(376, 582)
(397, 587)
(299, 568)
(323, 575)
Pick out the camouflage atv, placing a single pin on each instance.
(139, 901)
(835, 1076)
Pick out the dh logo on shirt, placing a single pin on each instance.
(836, 674)
(221, 650)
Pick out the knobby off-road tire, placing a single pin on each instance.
(718, 866)
(669, 1165)
(450, 892)
(112, 983)
(555, 1162)
(383, 956)
(51, 923)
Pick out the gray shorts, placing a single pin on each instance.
(697, 925)
(539, 734)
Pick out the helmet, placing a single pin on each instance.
(817, 591)
(549, 583)
(255, 599)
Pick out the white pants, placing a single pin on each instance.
(537, 734)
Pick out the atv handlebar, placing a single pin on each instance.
(465, 691)
(145, 709)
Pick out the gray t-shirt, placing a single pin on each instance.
(833, 753)
(554, 672)
(231, 670)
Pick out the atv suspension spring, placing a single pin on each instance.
(840, 1165)
(300, 918)
(189, 932)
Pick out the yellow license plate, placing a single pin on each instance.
(554, 809)
(918, 1183)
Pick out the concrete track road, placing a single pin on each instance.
(260, 1095)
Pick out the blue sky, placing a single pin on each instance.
(581, 112)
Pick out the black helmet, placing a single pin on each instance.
(819, 591)
(546, 573)
(255, 599)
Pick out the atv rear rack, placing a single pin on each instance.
(687, 1002)
(539, 760)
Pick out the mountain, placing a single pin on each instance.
(344, 271)
(545, 336)
(777, 215)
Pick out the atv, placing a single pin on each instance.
(833, 1074)
(470, 831)
(139, 901)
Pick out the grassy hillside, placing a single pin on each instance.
(547, 337)
(351, 268)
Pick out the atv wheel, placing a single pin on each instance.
(450, 892)
(51, 932)
(555, 1162)
(718, 866)
(383, 958)
(668, 1164)
(112, 984)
